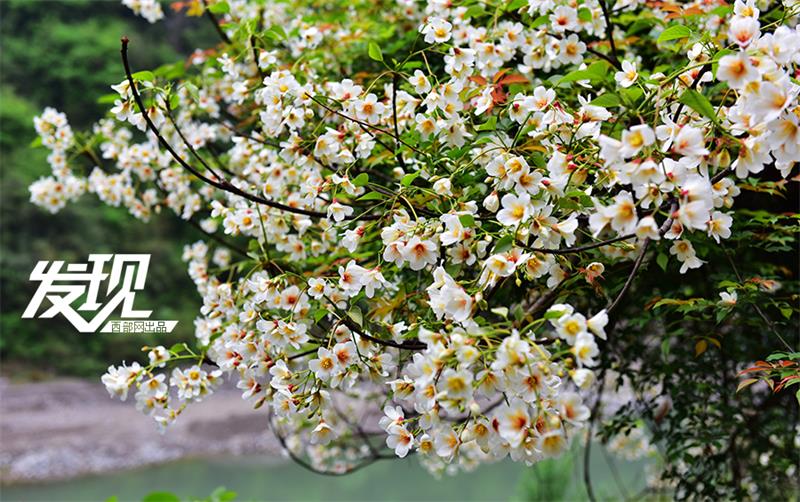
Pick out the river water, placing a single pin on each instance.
(263, 478)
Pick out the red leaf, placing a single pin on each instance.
(478, 79)
(516, 78)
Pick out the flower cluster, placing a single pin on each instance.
(53, 192)
(435, 238)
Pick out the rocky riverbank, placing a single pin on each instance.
(68, 427)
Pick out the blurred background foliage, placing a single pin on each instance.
(65, 54)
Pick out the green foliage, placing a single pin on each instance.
(71, 59)
(695, 345)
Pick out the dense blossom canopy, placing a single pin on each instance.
(407, 204)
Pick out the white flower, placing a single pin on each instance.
(636, 138)
(564, 18)
(458, 305)
(351, 278)
(443, 186)
(684, 250)
(585, 349)
(158, 356)
(583, 378)
(322, 434)
(119, 379)
(736, 70)
(743, 30)
(597, 324)
(456, 384)
(369, 109)
(690, 142)
(323, 365)
(570, 326)
(420, 253)
(628, 76)
(728, 299)
(516, 209)
(719, 225)
(400, 440)
(420, 82)
(338, 211)
(572, 408)
(436, 30)
(514, 422)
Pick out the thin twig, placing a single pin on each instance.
(755, 305)
(215, 22)
(221, 184)
(364, 124)
(398, 155)
(610, 33)
(578, 249)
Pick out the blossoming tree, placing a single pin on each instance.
(469, 230)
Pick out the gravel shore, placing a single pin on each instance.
(68, 427)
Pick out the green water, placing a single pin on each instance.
(262, 479)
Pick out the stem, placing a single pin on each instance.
(221, 185)
(215, 22)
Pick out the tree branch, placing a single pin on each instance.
(221, 184)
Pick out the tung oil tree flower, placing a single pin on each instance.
(435, 227)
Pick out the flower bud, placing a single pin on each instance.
(491, 203)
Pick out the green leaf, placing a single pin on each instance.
(467, 220)
(411, 65)
(489, 125)
(674, 32)
(606, 100)
(174, 101)
(276, 32)
(161, 497)
(539, 21)
(639, 25)
(356, 315)
(361, 180)
(501, 311)
(746, 383)
(107, 99)
(37, 142)
(722, 10)
(585, 15)
(170, 71)
(371, 196)
(596, 71)
(409, 178)
(699, 103)
(665, 348)
(516, 5)
(776, 356)
(504, 244)
(553, 314)
(220, 8)
(144, 76)
(662, 261)
(475, 10)
(375, 52)
(194, 92)
(319, 314)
